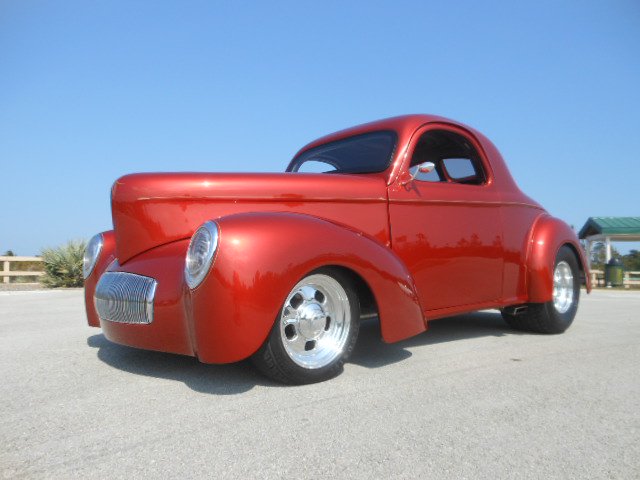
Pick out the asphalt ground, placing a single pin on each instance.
(467, 399)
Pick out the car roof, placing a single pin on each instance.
(406, 125)
(401, 124)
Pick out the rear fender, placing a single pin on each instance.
(548, 235)
(261, 256)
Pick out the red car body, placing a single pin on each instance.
(421, 250)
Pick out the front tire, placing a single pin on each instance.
(556, 315)
(315, 331)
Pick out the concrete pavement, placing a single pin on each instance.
(467, 399)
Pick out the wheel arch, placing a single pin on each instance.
(580, 258)
(366, 297)
(261, 256)
(548, 236)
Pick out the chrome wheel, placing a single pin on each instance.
(315, 321)
(563, 286)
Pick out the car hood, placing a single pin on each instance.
(153, 209)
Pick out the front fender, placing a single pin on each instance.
(107, 255)
(548, 235)
(261, 256)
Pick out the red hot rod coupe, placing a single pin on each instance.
(409, 219)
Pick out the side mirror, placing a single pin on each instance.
(425, 167)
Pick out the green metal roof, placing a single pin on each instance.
(611, 226)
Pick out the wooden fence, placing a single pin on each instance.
(630, 279)
(6, 273)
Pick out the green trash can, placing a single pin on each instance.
(613, 273)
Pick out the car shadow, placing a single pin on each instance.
(372, 352)
(229, 379)
(236, 378)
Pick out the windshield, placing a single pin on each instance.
(367, 153)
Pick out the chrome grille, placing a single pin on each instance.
(125, 297)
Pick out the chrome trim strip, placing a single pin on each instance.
(124, 297)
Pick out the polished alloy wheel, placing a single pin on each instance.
(315, 321)
(562, 287)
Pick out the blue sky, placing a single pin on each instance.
(90, 91)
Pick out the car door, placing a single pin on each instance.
(446, 224)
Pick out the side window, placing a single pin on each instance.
(459, 169)
(455, 158)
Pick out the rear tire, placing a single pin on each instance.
(315, 331)
(556, 315)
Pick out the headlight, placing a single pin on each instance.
(91, 254)
(202, 247)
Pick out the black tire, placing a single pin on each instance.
(274, 360)
(546, 317)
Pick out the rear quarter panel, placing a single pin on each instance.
(548, 235)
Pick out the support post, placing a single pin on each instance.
(5, 268)
(607, 242)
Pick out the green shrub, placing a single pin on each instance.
(63, 265)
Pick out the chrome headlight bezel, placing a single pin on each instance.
(200, 254)
(91, 254)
